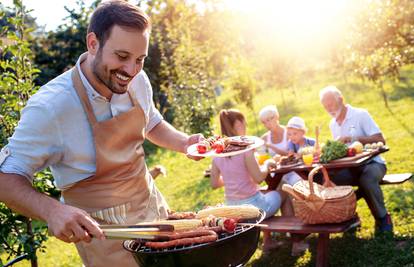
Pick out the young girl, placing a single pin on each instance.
(241, 174)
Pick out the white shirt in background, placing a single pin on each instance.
(362, 122)
(283, 145)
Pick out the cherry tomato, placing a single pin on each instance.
(351, 152)
(219, 147)
(229, 224)
(201, 148)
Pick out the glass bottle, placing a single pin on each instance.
(352, 132)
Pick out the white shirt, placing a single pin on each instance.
(54, 130)
(283, 145)
(361, 120)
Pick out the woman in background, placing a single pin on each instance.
(276, 140)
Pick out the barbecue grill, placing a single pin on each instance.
(230, 249)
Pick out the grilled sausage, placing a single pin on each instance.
(185, 238)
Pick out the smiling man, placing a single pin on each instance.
(88, 125)
(350, 124)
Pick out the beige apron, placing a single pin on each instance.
(122, 190)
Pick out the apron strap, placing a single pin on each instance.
(81, 91)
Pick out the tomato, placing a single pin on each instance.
(230, 224)
(351, 152)
(219, 146)
(201, 148)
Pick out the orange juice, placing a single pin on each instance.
(261, 158)
(307, 159)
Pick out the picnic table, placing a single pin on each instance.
(347, 162)
(294, 225)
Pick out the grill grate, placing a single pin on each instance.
(230, 249)
(139, 247)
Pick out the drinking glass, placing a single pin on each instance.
(261, 158)
(307, 159)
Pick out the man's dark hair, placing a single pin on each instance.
(116, 12)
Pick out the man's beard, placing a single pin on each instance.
(336, 114)
(99, 70)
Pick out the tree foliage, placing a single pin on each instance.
(18, 235)
(178, 66)
(381, 40)
(58, 50)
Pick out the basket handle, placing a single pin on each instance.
(326, 180)
(289, 189)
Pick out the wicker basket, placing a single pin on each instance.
(327, 203)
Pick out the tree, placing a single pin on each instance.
(29, 21)
(18, 235)
(58, 50)
(177, 66)
(192, 51)
(381, 40)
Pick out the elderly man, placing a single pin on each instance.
(354, 124)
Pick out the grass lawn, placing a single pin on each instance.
(185, 188)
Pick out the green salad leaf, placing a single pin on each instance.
(333, 150)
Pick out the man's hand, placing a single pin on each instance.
(67, 223)
(344, 139)
(193, 139)
(71, 224)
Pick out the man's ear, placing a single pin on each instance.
(92, 43)
(341, 100)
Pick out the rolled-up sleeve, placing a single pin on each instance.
(35, 142)
(153, 115)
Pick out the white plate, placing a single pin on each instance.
(192, 150)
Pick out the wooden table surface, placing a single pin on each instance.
(285, 224)
(333, 165)
(275, 175)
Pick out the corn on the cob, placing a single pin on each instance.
(240, 212)
(184, 224)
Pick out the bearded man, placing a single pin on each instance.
(350, 124)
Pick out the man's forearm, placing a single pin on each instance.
(371, 139)
(165, 135)
(19, 195)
